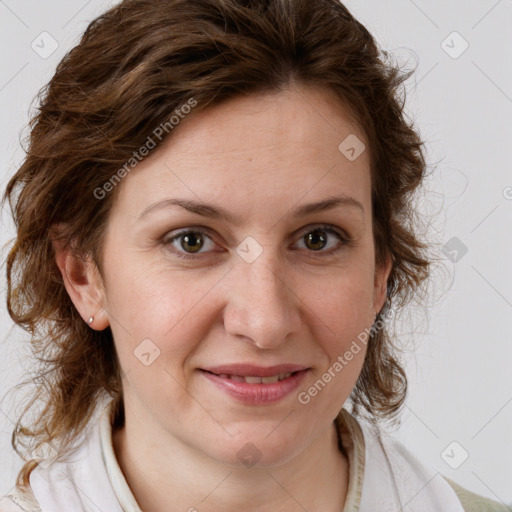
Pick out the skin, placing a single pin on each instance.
(259, 157)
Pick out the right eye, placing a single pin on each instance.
(189, 241)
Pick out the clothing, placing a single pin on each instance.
(383, 476)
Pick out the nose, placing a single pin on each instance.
(262, 307)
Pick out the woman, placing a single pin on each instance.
(212, 226)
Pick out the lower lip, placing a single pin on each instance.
(257, 394)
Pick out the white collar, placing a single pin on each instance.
(90, 479)
(80, 482)
(394, 479)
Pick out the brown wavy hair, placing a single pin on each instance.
(133, 67)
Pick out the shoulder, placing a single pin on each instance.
(19, 500)
(475, 503)
(408, 474)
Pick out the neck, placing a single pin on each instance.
(317, 479)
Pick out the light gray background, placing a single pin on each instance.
(461, 371)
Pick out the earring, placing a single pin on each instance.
(91, 320)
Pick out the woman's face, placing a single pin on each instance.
(267, 282)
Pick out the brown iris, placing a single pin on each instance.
(316, 238)
(193, 241)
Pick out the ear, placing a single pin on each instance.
(382, 272)
(82, 281)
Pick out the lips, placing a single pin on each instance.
(256, 385)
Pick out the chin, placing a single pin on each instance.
(247, 450)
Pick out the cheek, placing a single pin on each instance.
(344, 314)
(344, 305)
(342, 333)
(168, 308)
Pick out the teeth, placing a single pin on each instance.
(256, 380)
(252, 380)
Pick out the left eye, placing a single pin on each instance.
(318, 237)
(190, 242)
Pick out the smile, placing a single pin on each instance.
(256, 390)
(256, 380)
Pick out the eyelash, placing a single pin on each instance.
(321, 227)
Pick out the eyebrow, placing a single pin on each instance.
(216, 212)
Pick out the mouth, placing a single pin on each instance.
(253, 379)
(256, 385)
(251, 370)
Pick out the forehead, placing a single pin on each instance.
(299, 118)
(256, 150)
